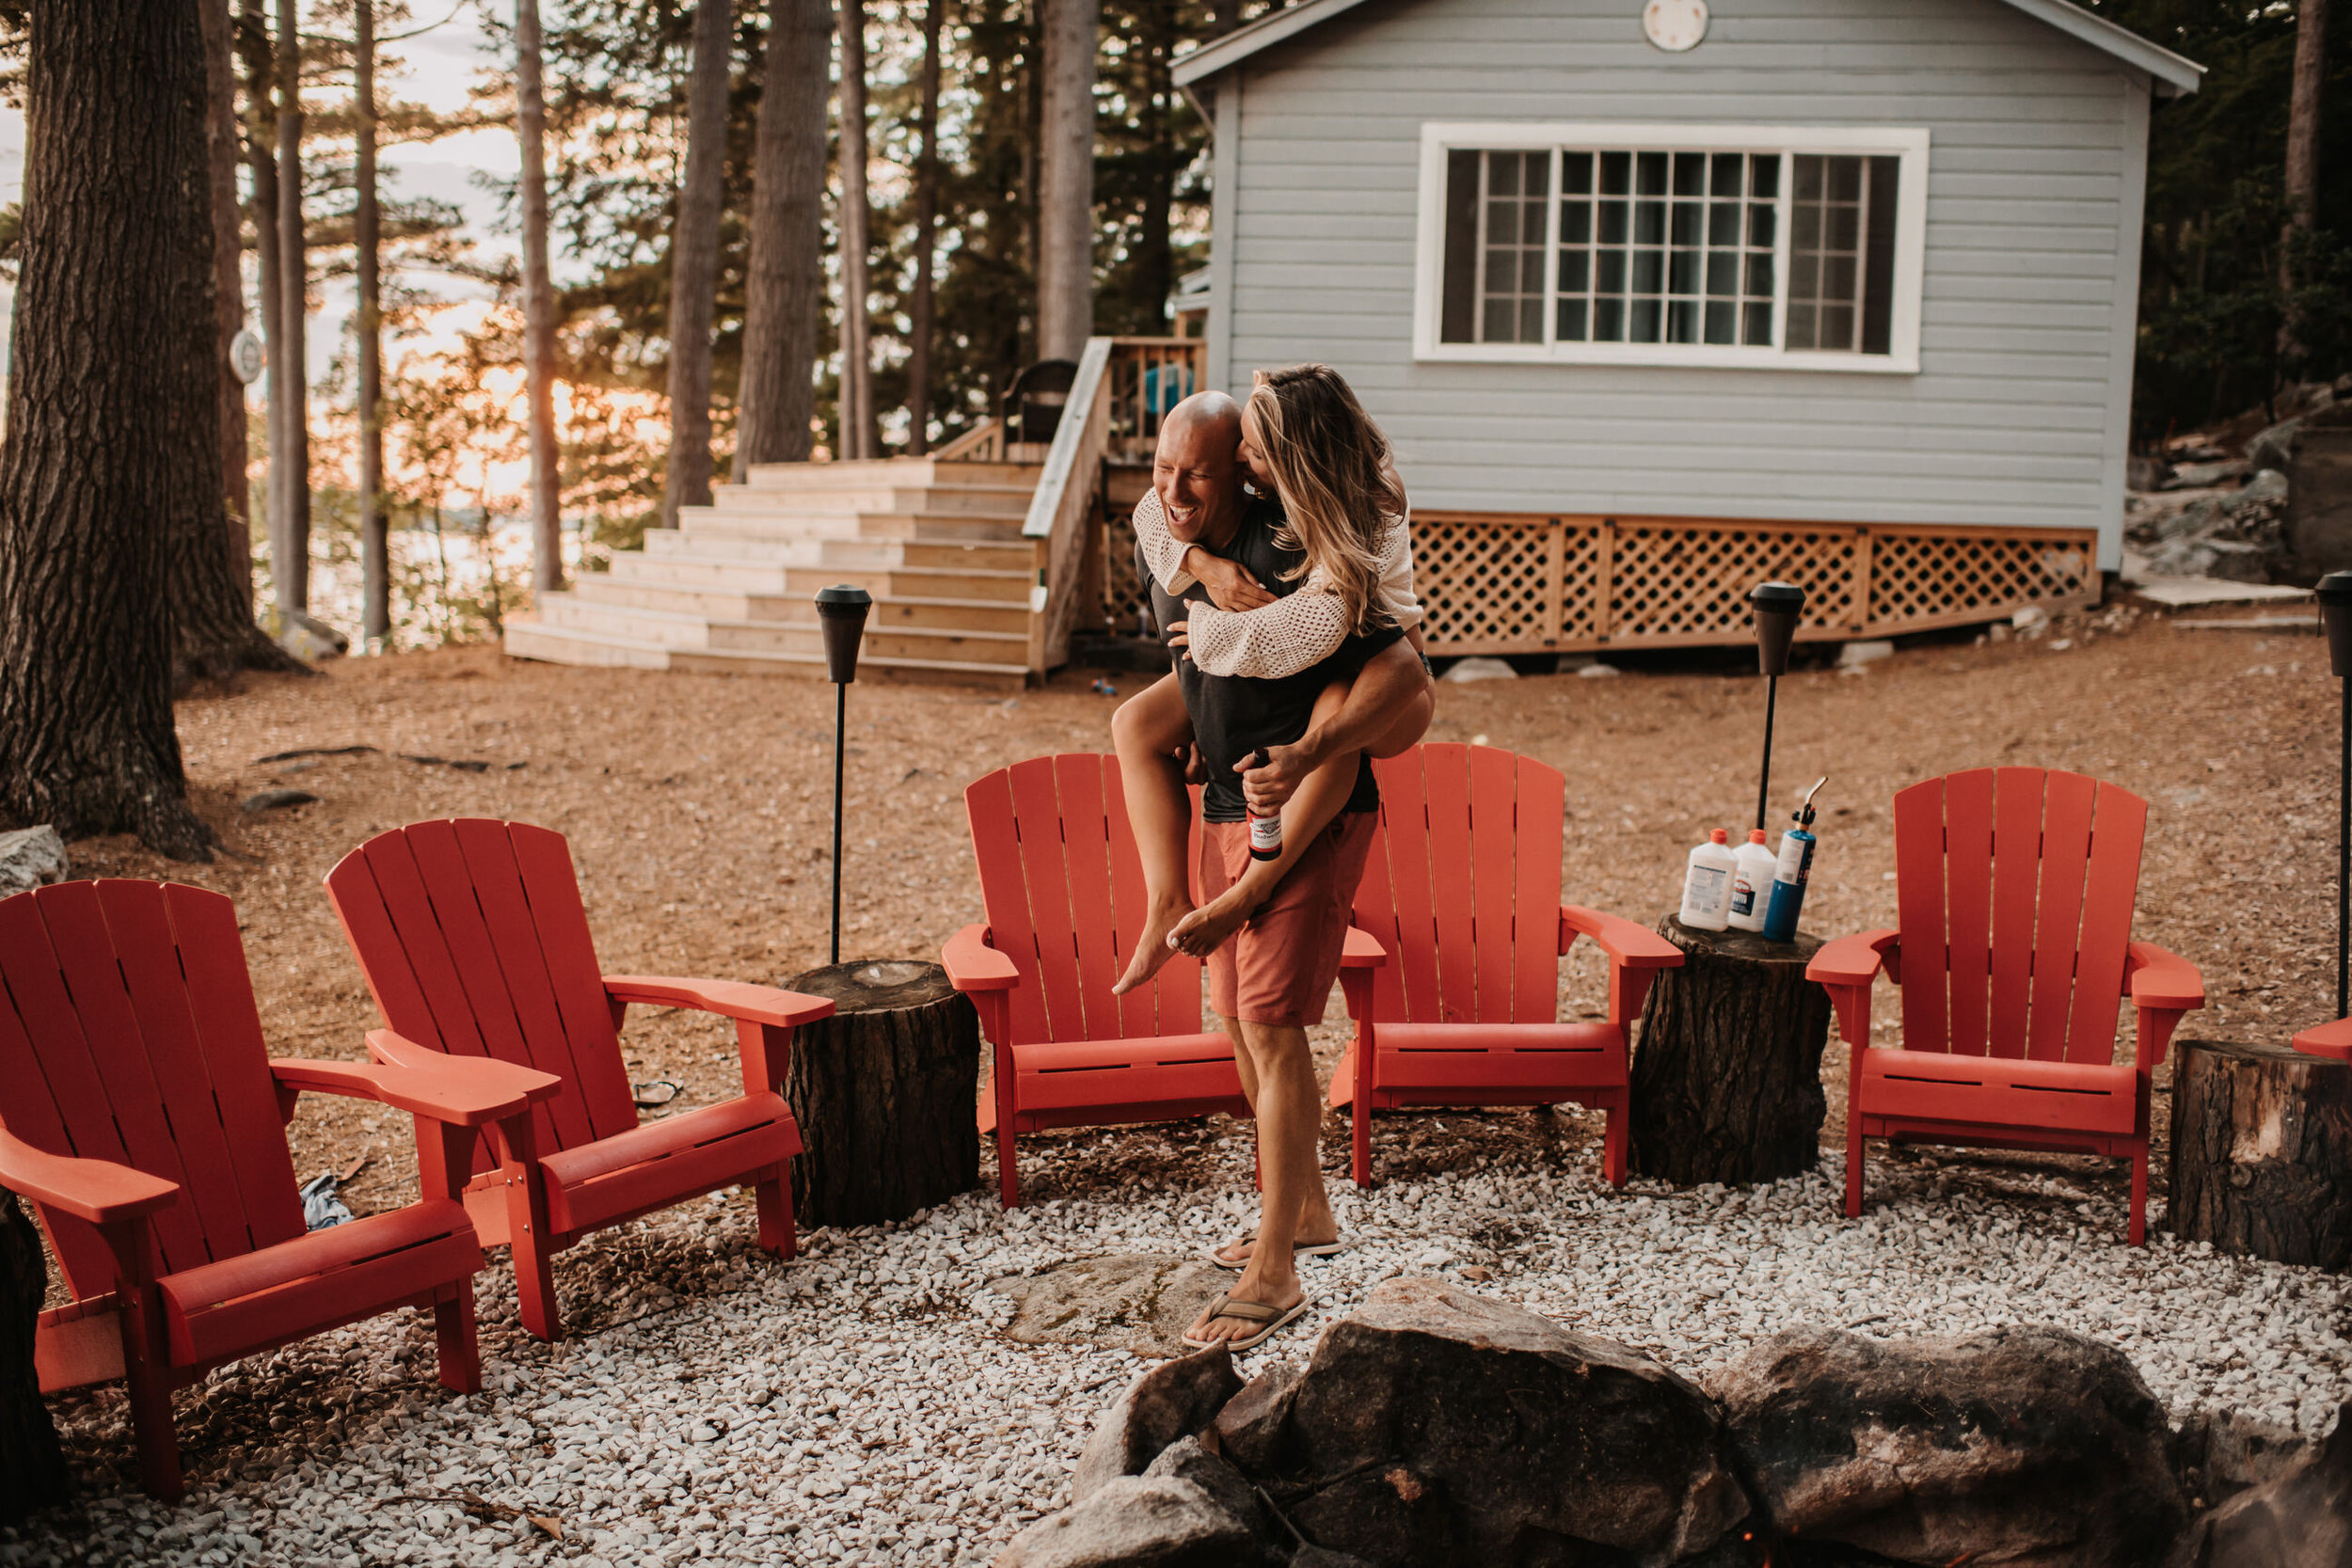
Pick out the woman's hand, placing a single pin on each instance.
(1231, 586)
(1179, 638)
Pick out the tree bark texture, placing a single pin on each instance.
(2262, 1151)
(261, 131)
(883, 1091)
(1065, 197)
(1727, 1082)
(857, 222)
(289, 393)
(785, 281)
(375, 548)
(113, 419)
(226, 150)
(32, 1468)
(694, 261)
(531, 127)
(2302, 171)
(921, 305)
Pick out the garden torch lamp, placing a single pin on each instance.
(1777, 605)
(2335, 612)
(841, 613)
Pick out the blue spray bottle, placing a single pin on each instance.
(1789, 873)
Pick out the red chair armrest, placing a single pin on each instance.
(1628, 944)
(735, 999)
(97, 1191)
(2327, 1040)
(1854, 960)
(463, 1091)
(972, 965)
(1364, 951)
(2160, 979)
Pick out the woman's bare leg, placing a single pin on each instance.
(1148, 731)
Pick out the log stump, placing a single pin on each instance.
(32, 1468)
(883, 1091)
(1727, 1081)
(2262, 1151)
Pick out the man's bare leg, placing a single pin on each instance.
(1290, 1127)
(1379, 693)
(1147, 731)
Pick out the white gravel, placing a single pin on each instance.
(857, 1406)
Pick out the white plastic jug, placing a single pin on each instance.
(1750, 883)
(1707, 885)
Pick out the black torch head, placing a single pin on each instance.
(1777, 606)
(842, 613)
(2335, 613)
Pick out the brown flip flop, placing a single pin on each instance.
(1298, 1249)
(1274, 1318)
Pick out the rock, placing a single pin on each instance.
(2198, 476)
(1136, 1522)
(1439, 1426)
(302, 635)
(2274, 447)
(2221, 1455)
(1174, 1400)
(1137, 1302)
(1312, 1556)
(1853, 654)
(2268, 486)
(1186, 1459)
(272, 799)
(2032, 1446)
(1598, 673)
(2301, 1520)
(2143, 473)
(1481, 670)
(1249, 1428)
(30, 857)
(2032, 620)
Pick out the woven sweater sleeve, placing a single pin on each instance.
(1279, 639)
(1161, 550)
(1396, 575)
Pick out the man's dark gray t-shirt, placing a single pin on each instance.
(1234, 715)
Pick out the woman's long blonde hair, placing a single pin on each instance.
(1336, 477)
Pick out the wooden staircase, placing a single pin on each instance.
(937, 542)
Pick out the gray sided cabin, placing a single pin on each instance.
(1844, 292)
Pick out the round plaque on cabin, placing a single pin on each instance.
(1675, 26)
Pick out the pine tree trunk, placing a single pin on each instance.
(226, 151)
(530, 126)
(1155, 257)
(921, 305)
(694, 261)
(32, 1468)
(785, 286)
(261, 131)
(289, 394)
(1065, 197)
(2302, 174)
(113, 431)
(375, 545)
(884, 1092)
(857, 222)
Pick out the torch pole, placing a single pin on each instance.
(2343, 855)
(1764, 776)
(840, 721)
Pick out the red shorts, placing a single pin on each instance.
(1278, 969)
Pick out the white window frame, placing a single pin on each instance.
(1909, 144)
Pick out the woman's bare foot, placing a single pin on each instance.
(1204, 930)
(1157, 945)
(1236, 1254)
(1212, 1326)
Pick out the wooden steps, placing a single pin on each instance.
(937, 544)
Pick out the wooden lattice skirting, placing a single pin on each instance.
(1511, 583)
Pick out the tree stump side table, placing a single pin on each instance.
(2262, 1151)
(883, 1091)
(1727, 1081)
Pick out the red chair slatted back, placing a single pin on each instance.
(2014, 887)
(474, 938)
(1063, 888)
(128, 1033)
(1463, 887)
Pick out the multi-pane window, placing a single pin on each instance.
(1729, 248)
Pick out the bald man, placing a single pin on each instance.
(1271, 979)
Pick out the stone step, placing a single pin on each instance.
(577, 645)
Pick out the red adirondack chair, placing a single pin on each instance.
(2014, 887)
(474, 942)
(1463, 890)
(1064, 892)
(145, 1120)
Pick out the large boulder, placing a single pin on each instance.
(30, 857)
(2303, 1519)
(1174, 1400)
(1137, 1522)
(2030, 1448)
(1436, 1426)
